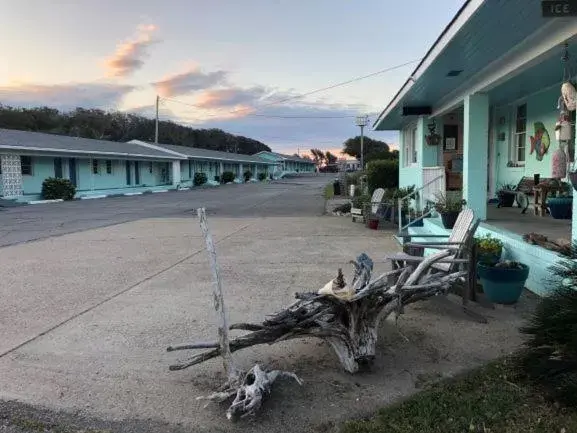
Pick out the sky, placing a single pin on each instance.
(221, 63)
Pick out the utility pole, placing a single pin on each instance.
(362, 121)
(156, 123)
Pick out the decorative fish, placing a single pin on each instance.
(540, 142)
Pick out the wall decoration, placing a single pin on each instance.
(540, 142)
(433, 138)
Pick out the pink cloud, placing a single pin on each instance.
(130, 54)
(186, 82)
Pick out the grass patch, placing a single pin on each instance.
(488, 400)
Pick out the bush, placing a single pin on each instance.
(227, 176)
(56, 189)
(247, 175)
(262, 176)
(217, 179)
(550, 355)
(200, 179)
(383, 174)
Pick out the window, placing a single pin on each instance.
(519, 135)
(26, 164)
(108, 166)
(150, 167)
(95, 166)
(410, 145)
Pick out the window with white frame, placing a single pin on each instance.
(519, 135)
(410, 145)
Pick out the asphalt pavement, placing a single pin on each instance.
(279, 198)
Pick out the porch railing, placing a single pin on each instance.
(421, 196)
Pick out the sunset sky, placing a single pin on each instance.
(229, 60)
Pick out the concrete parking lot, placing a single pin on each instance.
(86, 316)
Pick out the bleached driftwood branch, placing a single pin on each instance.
(249, 389)
(345, 316)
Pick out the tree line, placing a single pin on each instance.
(122, 127)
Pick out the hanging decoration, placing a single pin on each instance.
(559, 163)
(433, 139)
(540, 141)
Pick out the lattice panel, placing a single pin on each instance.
(11, 175)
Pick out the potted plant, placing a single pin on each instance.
(489, 249)
(506, 196)
(561, 206)
(449, 209)
(503, 282)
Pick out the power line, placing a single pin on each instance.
(303, 95)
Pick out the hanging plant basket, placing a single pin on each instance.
(573, 178)
(433, 139)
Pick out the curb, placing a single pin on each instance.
(44, 201)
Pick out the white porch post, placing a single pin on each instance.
(475, 153)
(573, 222)
(175, 173)
(241, 172)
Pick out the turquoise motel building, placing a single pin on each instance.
(99, 168)
(481, 110)
(288, 164)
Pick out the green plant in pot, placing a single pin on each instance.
(561, 206)
(449, 208)
(504, 281)
(489, 249)
(505, 195)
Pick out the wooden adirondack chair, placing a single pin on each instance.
(460, 243)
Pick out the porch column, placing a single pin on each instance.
(426, 155)
(221, 169)
(573, 219)
(241, 173)
(11, 178)
(175, 173)
(475, 153)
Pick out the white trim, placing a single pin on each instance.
(82, 152)
(56, 200)
(513, 148)
(436, 50)
(531, 51)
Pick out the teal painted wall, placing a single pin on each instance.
(42, 168)
(540, 108)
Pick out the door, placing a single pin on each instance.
(136, 173)
(58, 168)
(72, 171)
(128, 174)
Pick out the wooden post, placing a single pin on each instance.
(218, 298)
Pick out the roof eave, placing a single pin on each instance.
(459, 20)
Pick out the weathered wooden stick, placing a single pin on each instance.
(218, 298)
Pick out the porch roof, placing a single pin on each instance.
(37, 142)
(485, 45)
(282, 157)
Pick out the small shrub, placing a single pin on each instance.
(227, 176)
(247, 175)
(383, 174)
(200, 179)
(262, 176)
(550, 355)
(56, 189)
(217, 178)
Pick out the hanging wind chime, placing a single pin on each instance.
(563, 128)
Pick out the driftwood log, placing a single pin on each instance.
(347, 316)
(249, 389)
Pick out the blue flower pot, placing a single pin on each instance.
(502, 285)
(561, 208)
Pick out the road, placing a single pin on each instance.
(281, 198)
